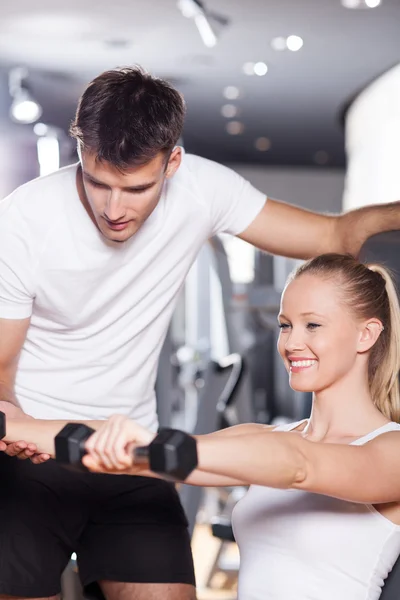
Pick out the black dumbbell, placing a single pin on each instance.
(2, 425)
(172, 453)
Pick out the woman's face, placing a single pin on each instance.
(319, 337)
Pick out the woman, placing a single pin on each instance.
(321, 519)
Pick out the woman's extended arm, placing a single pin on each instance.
(367, 474)
(111, 450)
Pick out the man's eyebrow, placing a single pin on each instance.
(142, 186)
(131, 188)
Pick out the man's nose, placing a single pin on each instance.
(114, 210)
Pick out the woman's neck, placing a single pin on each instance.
(344, 410)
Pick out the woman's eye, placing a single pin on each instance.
(284, 325)
(313, 326)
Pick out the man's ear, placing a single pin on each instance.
(369, 333)
(173, 162)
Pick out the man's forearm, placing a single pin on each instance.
(39, 431)
(356, 226)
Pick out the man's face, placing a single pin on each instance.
(119, 202)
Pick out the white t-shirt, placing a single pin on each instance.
(100, 310)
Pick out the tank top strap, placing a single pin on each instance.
(392, 426)
(289, 426)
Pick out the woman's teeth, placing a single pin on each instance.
(302, 363)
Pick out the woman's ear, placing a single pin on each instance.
(369, 333)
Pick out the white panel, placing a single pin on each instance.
(373, 144)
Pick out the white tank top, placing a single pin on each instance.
(296, 545)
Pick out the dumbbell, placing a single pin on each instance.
(2, 425)
(172, 453)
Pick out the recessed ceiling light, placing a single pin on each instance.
(231, 92)
(40, 129)
(351, 3)
(361, 3)
(294, 43)
(234, 127)
(229, 111)
(278, 43)
(260, 69)
(262, 144)
(248, 68)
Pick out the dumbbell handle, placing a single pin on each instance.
(142, 454)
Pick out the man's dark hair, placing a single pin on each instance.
(126, 117)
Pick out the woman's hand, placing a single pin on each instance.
(110, 448)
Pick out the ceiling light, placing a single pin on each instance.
(260, 69)
(294, 43)
(204, 19)
(40, 129)
(234, 127)
(248, 68)
(231, 92)
(206, 31)
(351, 3)
(229, 111)
(278, 43)
(361, 3)
(262, 144)
(24, 108)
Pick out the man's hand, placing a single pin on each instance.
(23, 450)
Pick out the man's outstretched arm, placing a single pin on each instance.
(287, 230)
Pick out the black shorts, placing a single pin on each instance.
(123, 528)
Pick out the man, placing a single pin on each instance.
(92, 259)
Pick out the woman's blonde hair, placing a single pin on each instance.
(368, 290)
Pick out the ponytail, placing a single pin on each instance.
(384, 366)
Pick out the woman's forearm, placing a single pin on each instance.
(269, 459)
(196, 478)
(273, 459)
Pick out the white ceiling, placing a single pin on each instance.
(296, 105)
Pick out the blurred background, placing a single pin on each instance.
(301, 97)
(267, 82)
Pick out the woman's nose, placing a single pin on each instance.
(294, 341)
